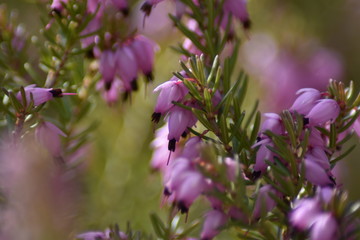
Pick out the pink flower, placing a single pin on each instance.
(127, 67)
(144, 52)
(214, 220)
(238, 9)
(324, 111)
(191, 187)
(161, 155)
(273, 123)
(318, 156)
(304, 213)
(306, 100)
(57, 5)
(179, 120)
(315, 138)
(49, 136)
(263, 154)
(316, 174)
(111, 95)
(324, 227)
(108, 67)
(173, 90)
(264, 203)
(232, 168)
(147, 6)
(122, 5)
(41, 95)
(191, 148)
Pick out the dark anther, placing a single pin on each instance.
(134, 85)
(333, 181)
(125, 11)
(256, 174)
(184, 134)
(155, 117)
(181, 206)
(90, 54)
(107, 85)
(172, 144)
(247, 24)
(149, 77)
(146, 8)
(258, 139)
(306, 120)
(56, 92)
(167, 192)
(56, 11)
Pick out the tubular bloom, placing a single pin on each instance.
(106, 235)
(144, 52)
(173, 90)
(237, 8)
(214, 220)
(324, 111)
(264, 203)
(183, 183)
(57, 5)
(48, 135)
(179, 120)
(306, 101)
(309, 214)
(121, 66)
(41, 95)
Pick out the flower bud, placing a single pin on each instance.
(214, 220)
(325, 110)
(306, 100)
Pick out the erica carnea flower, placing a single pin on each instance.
(127, 67)
(144, 51)
(273, 123)
(57, 5)
(161, 156)
(48, 135)
(264, 203)
(173, 90)
(306, 100)
(264, 154)
(238, 9)
(107, 67)
(214, 220)
(316, 174)
(311, 214)
(324, 111)
(324, 227)
(183, 183)
(106, 235)
(304, 213)
(179, 120)
(41, 95)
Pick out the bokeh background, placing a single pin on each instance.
(291, 44)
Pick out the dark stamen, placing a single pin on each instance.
(56, 92)
(181, 206)
(155, 117)
(134, 85)
(172, 144)
(146, 8)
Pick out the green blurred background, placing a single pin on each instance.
(118, 183)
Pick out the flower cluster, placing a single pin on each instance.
(120, 65)
(320, 216)
(236, 8)
(317, 111)
(179, 119)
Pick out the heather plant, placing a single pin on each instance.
(258, 176)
